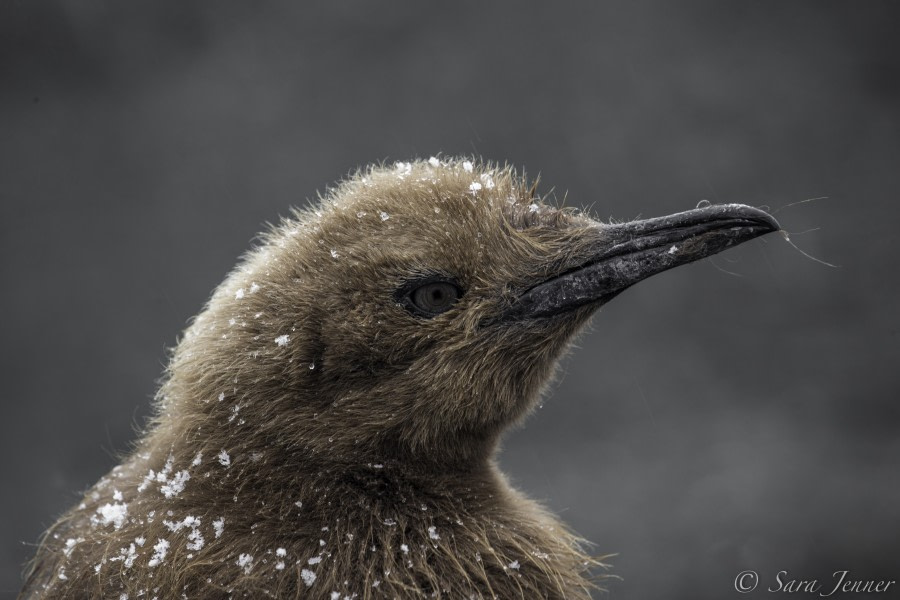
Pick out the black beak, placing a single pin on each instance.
(631, 252)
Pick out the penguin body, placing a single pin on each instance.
(327, 424)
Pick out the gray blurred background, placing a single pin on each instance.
(740, 413)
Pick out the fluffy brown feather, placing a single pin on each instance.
(313, 438)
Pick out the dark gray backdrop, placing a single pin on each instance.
(708, 423)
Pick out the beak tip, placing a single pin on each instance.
(751, 213)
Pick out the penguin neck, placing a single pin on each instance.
(456, 457)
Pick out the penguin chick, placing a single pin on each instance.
(327, 424)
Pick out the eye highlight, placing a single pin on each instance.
(430, 297)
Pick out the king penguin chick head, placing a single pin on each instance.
(327, 423)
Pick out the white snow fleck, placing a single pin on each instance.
(70, 546)
(140, 540)
(239, 294)
(113, 514)
(390, 522)
(62, 573)
(308, 577)
(378, 466)
(335, 596)
(474, 186)
(173, 526)
(672, 250)
(433, 534)
(384, 216)
(245, 561)
(514, 565)
(117, 495)
(487, 180)
(434, 162)
(281, 552)
(219, 526)
(299, 503)
(279, 566)
(334, 254)
(404, 548)
(221, 396)
(314, 560)
(282, 340)
(123, 596)
(198, 458)
(403, 168)
(196, 541)
(159, 552)
(467, 166)
(224, 459)
(127, 555)
(163, 475)
(148, 478)
(533, 208)
(254, 287)
(376, 583)
(176, 485)
(232, 321)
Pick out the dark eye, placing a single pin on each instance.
(431, 298)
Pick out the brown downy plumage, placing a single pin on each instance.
(327, 424)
